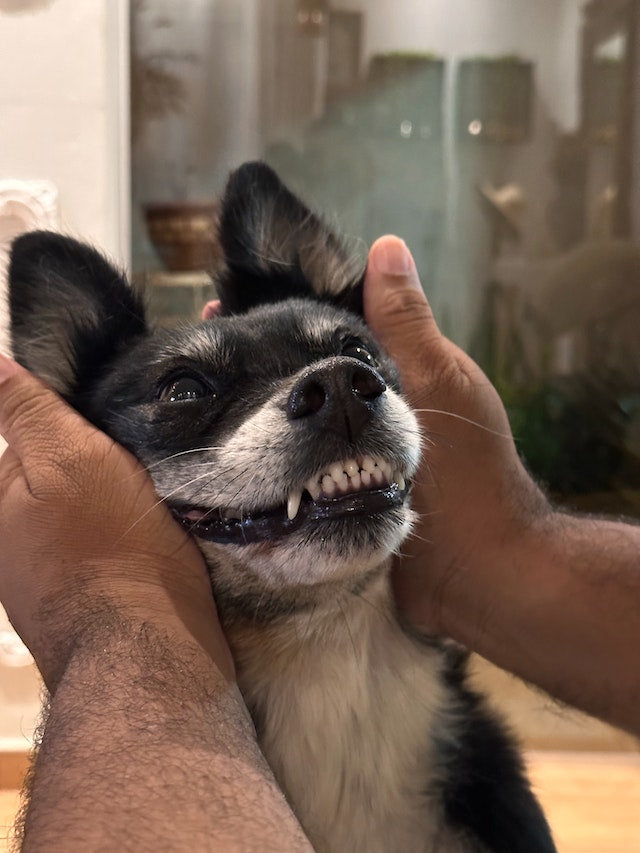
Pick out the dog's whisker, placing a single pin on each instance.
(204, 449)
(162, 500)
(465, 419)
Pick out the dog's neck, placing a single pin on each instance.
(337, 616)
(343, 689)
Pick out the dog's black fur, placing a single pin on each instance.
(77, 323)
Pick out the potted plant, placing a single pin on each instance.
(181, 228)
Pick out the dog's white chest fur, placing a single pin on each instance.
(344, 704)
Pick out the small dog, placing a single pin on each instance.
(278, 435)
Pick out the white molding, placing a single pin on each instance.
(119, 140)
(24, 206)
(17, 7)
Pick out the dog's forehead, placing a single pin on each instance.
(265, 338)
(200, 342)
(318, 327)
(302, 320)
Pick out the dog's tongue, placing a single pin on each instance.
(194, 514)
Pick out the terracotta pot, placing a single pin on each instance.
(184, 234)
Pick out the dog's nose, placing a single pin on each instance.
(340, 396)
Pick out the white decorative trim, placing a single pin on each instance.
(119, 132)
(25, 206)
(16, 7)
(13, 651)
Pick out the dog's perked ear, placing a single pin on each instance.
(275, 248)
(71, 311)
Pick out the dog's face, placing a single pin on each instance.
(276, 432)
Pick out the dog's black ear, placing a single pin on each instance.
(71, 311)
(275, 248)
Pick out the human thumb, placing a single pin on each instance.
(395, 306)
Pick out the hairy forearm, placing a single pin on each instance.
(559, 606)
(147, 747)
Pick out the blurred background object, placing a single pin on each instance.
(500, 139)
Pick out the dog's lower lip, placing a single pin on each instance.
(274, 524)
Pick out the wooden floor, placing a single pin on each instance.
(592, 800)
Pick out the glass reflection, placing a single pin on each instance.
(503, 148)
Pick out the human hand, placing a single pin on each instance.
(472, 492)
(85, 540)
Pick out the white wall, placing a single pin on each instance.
(63, 77)
(61, 68)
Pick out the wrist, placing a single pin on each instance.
(105, 623)
(482, 578)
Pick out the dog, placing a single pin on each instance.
(278, 435)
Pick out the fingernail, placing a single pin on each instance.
(392, 257)
(7, 367)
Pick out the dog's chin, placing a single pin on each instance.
(326, 518)
(324, 562)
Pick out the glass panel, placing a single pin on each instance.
(501, 140)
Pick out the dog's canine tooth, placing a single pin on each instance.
(399, 479)
(293, 504)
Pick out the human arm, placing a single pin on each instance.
(147, 745)
(552, 598)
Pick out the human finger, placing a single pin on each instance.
(395, 304)
(33, 420)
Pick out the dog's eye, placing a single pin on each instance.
(354, 348)
(182, 389)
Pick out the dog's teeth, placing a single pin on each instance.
(368, 464)
(231, 514)
(314, 489)
(328, 485)
(400, 481)
(385, 467)
(377, 475)
(352, 475)
(293, 504)
(343, 483)
(336, 471)
(351, 467)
